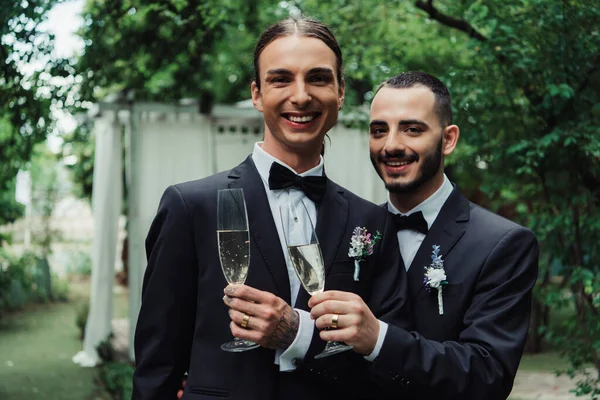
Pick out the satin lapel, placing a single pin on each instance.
(332, 218)
(262, 226)
(446, 230)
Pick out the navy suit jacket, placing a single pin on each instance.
(473, 350)
(183, 320)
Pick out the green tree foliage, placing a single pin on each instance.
(24, 108)
(529, 104)
(524, 75)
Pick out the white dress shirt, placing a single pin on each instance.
(410, 241)
(277, 198)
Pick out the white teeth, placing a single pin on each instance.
(397, 164)
(302, 119)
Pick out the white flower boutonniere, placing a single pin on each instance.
(435, 276)
(361, 246)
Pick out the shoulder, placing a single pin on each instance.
(359, 205)
(200, 186)
(494, 225)
(195, 192)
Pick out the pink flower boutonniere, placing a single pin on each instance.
(361, 246)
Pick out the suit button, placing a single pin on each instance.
(296, 362)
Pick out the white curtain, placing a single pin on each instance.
(106, 205)
(347, 163)
(166, 148)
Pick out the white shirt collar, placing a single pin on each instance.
(431, 206)
(264, 160)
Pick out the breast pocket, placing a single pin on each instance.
(200, 392)
(341, 277)
(343, 266)
(450, 290)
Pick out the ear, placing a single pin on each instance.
(256, 97)
(451, 134)
(342, 92)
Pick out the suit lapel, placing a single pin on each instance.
(261, 224)
(332, 218)
(446, 230)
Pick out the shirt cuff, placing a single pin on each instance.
(299, 346)
(383, 327)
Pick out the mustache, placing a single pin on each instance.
(399, 156)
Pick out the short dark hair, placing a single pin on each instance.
(443, 101)
(302, 27)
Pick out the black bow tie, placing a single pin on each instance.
(413, 222)
(281, 177)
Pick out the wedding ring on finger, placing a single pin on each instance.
(245, 321)
(334, 321)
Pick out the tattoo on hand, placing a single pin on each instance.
(285, 330)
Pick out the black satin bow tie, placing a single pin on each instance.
(281, 177)
(412, 222)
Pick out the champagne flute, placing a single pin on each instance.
(234, 248)
(307, 259)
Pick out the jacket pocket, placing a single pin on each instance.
(206, 391)
(450, 290)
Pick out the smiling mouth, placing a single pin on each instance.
(398, 163)
(301, 119)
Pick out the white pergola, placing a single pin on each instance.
(166, 144)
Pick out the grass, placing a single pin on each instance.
(543, 362)
(36, 347)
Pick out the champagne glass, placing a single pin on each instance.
(234, 247)
(307, 259)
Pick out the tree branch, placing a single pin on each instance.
(449, 21)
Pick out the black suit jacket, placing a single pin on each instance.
(473, 350)
(183, 320)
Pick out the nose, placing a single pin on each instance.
(394, 143)
(300, 95)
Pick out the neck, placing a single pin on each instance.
(406, 201)
(300, 160)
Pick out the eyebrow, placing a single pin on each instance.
(321, 70)
(377, 122)
(412, 122)
(279, 71)
(316, 70)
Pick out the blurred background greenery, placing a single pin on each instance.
(525, 81)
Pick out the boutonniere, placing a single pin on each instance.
(361, 246)
(435, 276)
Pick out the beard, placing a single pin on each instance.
(430, 166)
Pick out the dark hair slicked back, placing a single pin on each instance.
(443, 101)
(302, 27)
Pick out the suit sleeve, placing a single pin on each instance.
(165, 325)
(483, 362)
(387, 297)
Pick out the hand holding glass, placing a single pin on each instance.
(307, 259)
(234, 247)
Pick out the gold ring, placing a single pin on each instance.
(245, 321)
(334, 321)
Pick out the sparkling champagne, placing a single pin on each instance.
(234, 252)
(308, 263)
